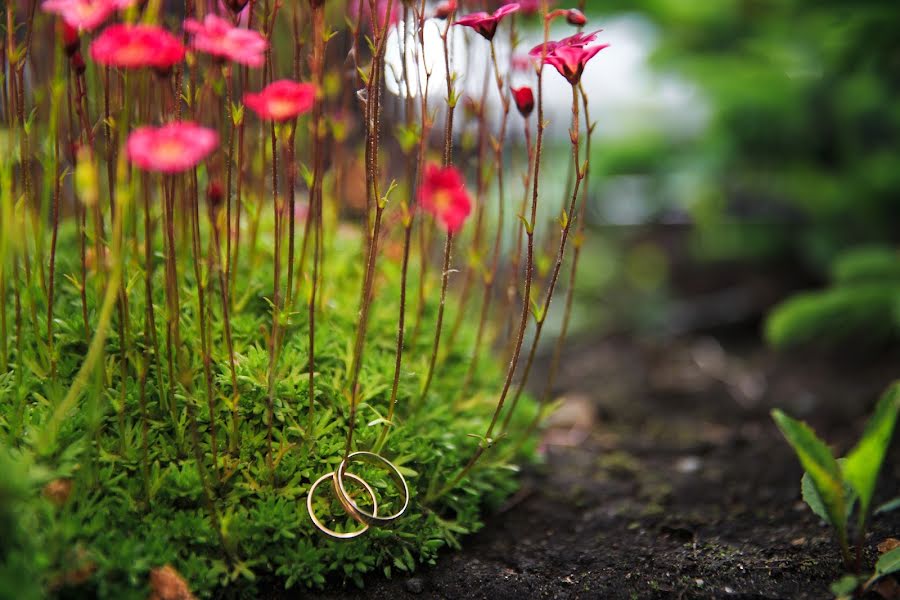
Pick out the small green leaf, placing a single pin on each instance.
(845, 586)
(864, 461)
(888, 506)
(814, 501)
(888, 563)
(822, 467)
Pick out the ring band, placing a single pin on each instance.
(350, 506)
(337, 535)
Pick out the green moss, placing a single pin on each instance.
(120, 525)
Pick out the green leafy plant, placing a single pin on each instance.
(861, 306)
(836, 489)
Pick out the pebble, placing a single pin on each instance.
(415, 585)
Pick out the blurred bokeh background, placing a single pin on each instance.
(746, 170)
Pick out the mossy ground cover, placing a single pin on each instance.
(118, 491)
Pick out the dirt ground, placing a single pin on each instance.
(663, 475)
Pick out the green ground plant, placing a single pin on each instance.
(838, 489)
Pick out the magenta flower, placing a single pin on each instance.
(486, 24)
(84, 15)
(282, 100)
(172, 148)
(137, 46)
(578, 40)
(443, 194)
(218, 37)
(570, 61)
(570, 55)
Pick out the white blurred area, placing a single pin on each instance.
(626, 96)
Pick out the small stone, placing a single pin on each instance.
(688, 464)
(415, 585)
(798, 541)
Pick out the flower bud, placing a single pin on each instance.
(78, 63)
(524, 98)
(70, 39)
(214, 195)
(575, 17)
(445, 9)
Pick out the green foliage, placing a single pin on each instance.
(137, 505)
(830, 486)
(861, 307)
(804, 122)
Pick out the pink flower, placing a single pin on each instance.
(443, 194)
(282, 100)
(570, 61)
(579, 40)
(137, 46)
(218, 37)
(569, 55)
(172, 148)
(486, 24)
(85, 15)
(524, 98)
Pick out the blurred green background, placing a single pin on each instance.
(793, 177)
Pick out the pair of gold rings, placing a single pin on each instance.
(364, 518)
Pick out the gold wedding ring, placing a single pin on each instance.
(331, 533)
(366, 519)
(350, 506)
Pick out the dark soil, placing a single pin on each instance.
(664, 477)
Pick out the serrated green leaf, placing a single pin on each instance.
(821, 465)
(864, 462)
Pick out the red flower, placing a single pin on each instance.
(570, 61)
(486, 24)
(282, 100)
(443, 194)
(171, 148)
(569, 55)
(524, 98)
(218, 37)
(579, 40)
(85, 15)
(137, 46)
